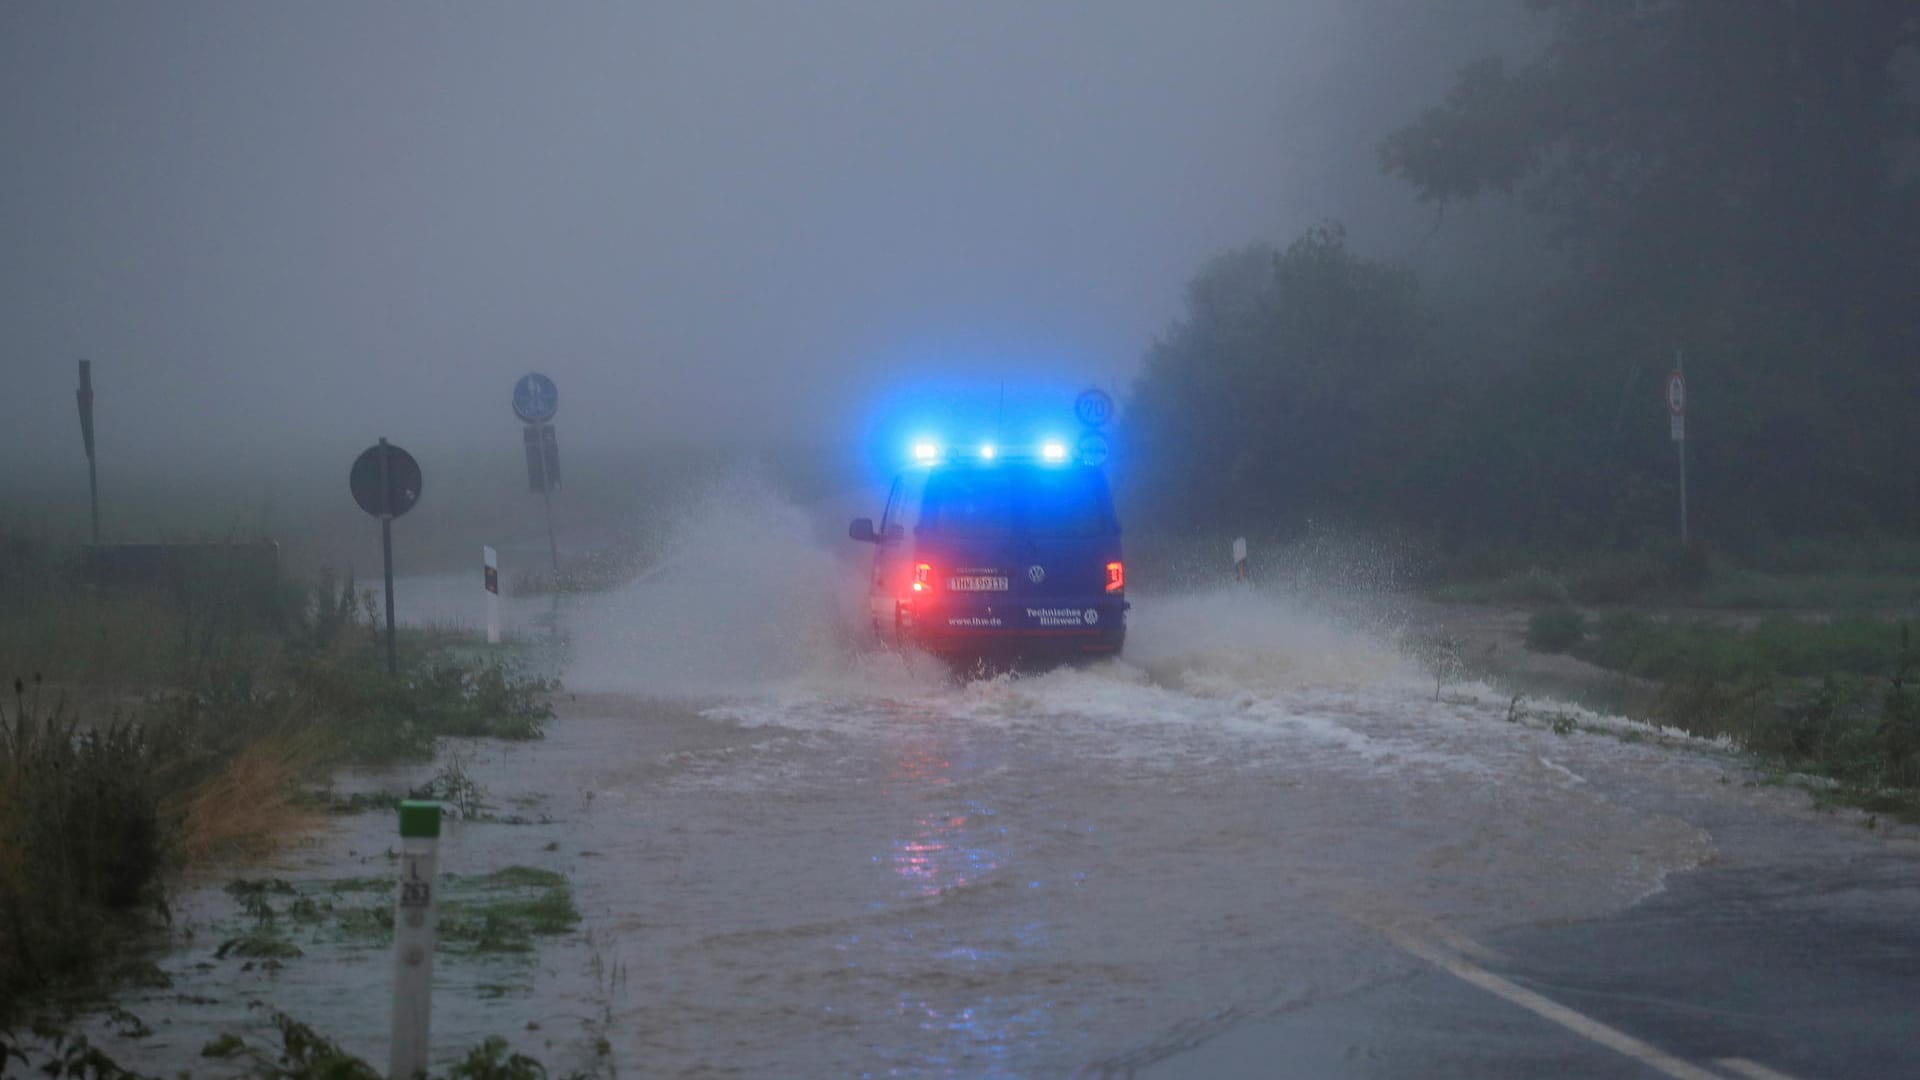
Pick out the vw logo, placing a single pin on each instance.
(1090, 616)
(1036, 574)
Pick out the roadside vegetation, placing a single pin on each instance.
(1500, 406)
(299, 1053)
(1832, 698)
(1841, 574)
(145, 730)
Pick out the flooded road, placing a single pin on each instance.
(850, 863)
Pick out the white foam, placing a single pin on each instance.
(758, 616)
(746, 599)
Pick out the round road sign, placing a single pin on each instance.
(1677, 394)
(403, 480)
(1094, 449)
(535, 398)
(1093, 407)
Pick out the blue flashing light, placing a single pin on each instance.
(926, 452)
(1053, 451)
(988, 451)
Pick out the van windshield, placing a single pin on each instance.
(1002, 500)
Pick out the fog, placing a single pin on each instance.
(280, 231)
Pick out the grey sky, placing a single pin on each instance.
(321, 222)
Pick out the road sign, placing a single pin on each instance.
(1093, 407)
(1094, 449)
(385, 481)
(535, 398)
(401, 475)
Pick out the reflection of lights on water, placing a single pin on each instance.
(936, 858)
(941, 853)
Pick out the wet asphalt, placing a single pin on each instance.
(1806, 969)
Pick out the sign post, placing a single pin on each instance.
(84, 396)
(535, 401)
(1677, 427)
(490, 574)
(1093, 408)
(385, 481)
(413, 932)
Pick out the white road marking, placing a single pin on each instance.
(1579, 1023)
(1752, 1070)
(1563, 771)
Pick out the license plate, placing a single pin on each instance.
(977, 584)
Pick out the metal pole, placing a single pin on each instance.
(413, 933)
(553, 545)
(546, 493)
(93, 498)
(85, 397)
(386, 550)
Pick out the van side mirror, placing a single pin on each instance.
(862, 530)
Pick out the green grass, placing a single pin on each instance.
(1836, 699)
(1556, 629)
(500, 912)
(1779, 647)
(1739, 589)
(1814, 575)
(239, 697)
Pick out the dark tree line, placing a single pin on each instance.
(1736, 178)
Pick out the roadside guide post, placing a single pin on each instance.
(490, 574)
(84, 396)
(535, 401)
(385, 481)
(1240, 559)
(1677, 427)
(413, 930)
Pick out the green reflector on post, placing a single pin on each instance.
(419, 818)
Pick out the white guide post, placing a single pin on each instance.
(413, 925)
(1677, 417)
(1240, 559)
(490, 571)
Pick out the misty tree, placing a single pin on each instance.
(1286, 390)
(1739, 179)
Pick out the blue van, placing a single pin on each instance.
(998, 556)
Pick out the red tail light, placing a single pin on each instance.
(1116, 577)
(922, 577)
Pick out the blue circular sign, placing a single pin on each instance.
(535, 398)
(1094, 449)
(1093, 407)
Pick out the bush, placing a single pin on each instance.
(1621, 577)
(80, 837)
(1556, 630)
